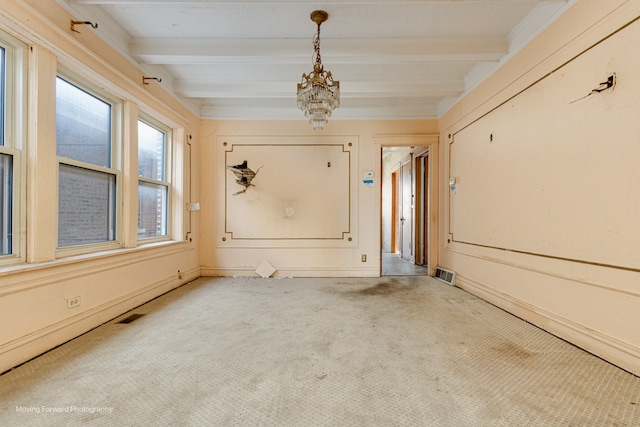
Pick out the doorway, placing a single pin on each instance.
(405, 210)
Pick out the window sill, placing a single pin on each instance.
(95, 260)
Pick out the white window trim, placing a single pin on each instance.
(168, 170)
(115, 169)
(15, 133)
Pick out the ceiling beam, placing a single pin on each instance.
(342, 51)
(347, 90)
(356, 112)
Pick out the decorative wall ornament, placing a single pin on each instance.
(244, 175)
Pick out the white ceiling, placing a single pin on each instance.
(410, 59)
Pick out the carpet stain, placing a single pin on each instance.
(385, 288)
(513, 350)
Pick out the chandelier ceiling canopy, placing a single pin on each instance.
(318, 92)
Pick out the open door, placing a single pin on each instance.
(395, 207)
(406, 210)
(421, 237)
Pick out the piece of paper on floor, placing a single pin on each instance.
(265, 269)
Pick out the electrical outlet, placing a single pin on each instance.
(364, 257)
(73, 302)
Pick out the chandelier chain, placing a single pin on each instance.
(316, 47)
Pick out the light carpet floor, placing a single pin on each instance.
(391, 351)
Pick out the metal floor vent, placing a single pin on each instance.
(446, 276)
(131, 318)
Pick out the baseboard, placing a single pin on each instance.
(293, 272)
(608, 348)
(30, 346)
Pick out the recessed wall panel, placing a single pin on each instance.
(553, 171)
(301, 193)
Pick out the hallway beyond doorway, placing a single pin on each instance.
(395, 265)
(408, 202)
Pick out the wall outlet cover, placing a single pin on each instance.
(73, 302)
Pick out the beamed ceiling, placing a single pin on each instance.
(395, 60)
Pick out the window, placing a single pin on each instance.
(6, 171)
(153, 185)
(12, 74)
(3, 100)
(86, 175)
(6, 204)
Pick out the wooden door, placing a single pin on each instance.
(406, 218)
(395, 210)
(421, 211)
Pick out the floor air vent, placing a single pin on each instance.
(131, 318)
(446, 276)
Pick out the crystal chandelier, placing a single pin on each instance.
(318, 93)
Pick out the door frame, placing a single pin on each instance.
(430, 142)
(421, 217)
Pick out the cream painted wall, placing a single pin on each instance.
(300, 257)
(33, 292)
(544, 218)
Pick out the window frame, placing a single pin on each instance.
(115, 169)
(167, 173)
(14, 113)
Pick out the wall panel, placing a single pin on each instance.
(301, 194)
(552, 173)
(542, 219)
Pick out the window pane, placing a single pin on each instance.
(86, 206)
(6, 205)
(83, 125)
(150, 152)
(3, 82)
(152, 210)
